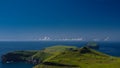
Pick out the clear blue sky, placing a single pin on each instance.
(31, 19)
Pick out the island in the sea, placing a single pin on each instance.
(64, 57)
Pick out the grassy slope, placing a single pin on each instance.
(46, 53)
(40, 55)
(67, 57)
(83, 58)
(58, 48)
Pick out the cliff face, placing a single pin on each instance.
(18, 56)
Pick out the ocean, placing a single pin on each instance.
(111, 48)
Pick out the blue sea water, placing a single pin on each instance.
(111, 48)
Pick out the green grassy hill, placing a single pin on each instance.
(65, 57)
(80, 58)
(50, 51)
(58, 48)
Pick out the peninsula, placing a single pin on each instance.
(64, 57)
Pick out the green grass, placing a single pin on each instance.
(58, 48)
(51, 66)
(67, 57)
(41, 55)
(48, 52)
(80, 59)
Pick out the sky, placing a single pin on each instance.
(26, 20)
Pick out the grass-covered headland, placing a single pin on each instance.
(64, 57)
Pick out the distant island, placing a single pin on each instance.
(64, 57)
(92, 45)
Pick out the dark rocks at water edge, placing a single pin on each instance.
(19, 56)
